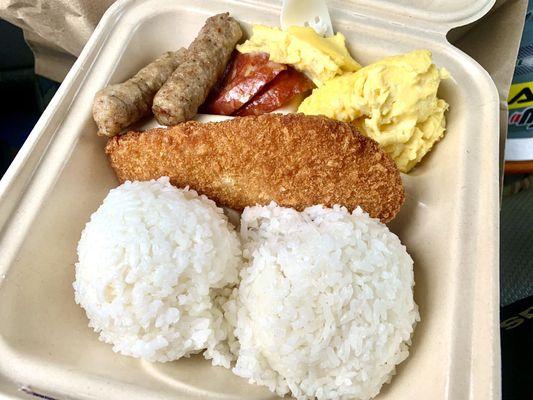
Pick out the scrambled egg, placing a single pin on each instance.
(393, 101)
(321, 59)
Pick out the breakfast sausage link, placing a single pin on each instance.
(118, 106)
(188, 86)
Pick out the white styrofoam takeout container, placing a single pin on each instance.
(449, 221)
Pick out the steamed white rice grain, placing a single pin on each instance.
(325, 306)
(156, 265)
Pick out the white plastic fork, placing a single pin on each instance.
(312, 13)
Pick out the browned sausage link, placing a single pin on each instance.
(118, 106)
(187, 88)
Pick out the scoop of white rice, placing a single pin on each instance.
(325, 307)
(154, 262)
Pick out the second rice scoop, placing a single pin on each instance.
(325, 306)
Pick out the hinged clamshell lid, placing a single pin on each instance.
(439, 15)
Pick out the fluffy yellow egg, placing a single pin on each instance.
(394, 101)
(320, 58)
